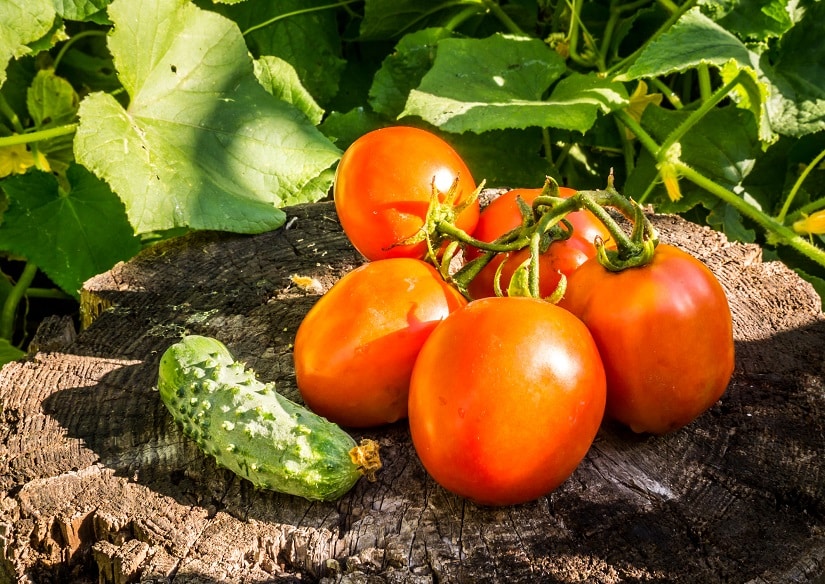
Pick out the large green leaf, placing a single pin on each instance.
(694, 40)
(796, 106)
(201, 144)
(70, 236)
(22, 23)
(500, 83)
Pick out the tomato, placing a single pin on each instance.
(506, 397)
(383, 186)
(503, 215)
(354, 350)
(665, 334)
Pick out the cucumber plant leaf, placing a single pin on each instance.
(500, 83)
(71, 236)
(22, 23)
(201, 143)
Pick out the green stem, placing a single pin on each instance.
(47, 293)
(704, 81)
(669, 94)
(503, 17)
(548, 146)
(785, 234)
(806, 210)
(11, 115)
(797, 185)
(635, 127)
(16, 294)
(462, 17)
(38, 136)
(708, 104)
(285, 15)
(64, 49)
(675, 16)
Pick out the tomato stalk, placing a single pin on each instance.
(542, 224)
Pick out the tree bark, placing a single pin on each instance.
(98, 484)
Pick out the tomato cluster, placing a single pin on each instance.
(504, 391)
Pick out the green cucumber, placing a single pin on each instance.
(253, 430)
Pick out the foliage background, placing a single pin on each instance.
(123, 122)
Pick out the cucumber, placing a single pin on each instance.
(254, 431)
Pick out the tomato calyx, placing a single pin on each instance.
(442, 210)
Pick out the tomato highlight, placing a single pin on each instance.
(385, 182)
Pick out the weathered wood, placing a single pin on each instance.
(97, 484)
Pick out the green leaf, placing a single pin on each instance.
(22, 23)
(752, 95)
(280, 79)
(345, 128)
(308, 40)
(51, 100)
(8, 353)
(756, 20)
(694, 40)
(402, 70)
(82, 10)
(500, 83)
(201, 144)
(69, 236)
(797, 103)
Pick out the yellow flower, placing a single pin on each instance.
(15, 159)
(811, 224)
(639, 100)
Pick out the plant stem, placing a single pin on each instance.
(675, 16)
(38, 136)
(707, 104)
(285, 15)
(797, 185)
(704, 81)
(786, 235)
(48, 293)
(10, 114)
(502, 16)
(73, 40)
(16, 294)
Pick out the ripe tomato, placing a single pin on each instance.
(506, 397)
(383, 187)
(354, 350)
(665, 334)
(503, 215)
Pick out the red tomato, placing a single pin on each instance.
(506, 397)
(354, 350)
(665, 334)
(503, 215)
(383, 187)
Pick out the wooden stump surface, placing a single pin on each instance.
(98, 484)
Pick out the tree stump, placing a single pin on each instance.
(98, 484)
